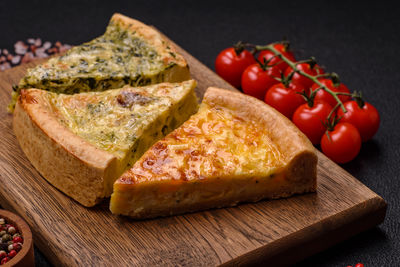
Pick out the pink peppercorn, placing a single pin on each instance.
(12, 254)
(18, 239)
(17, 246)
(4, 260)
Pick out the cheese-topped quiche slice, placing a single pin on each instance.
(129, 52)
(235, 149)
(82, 143)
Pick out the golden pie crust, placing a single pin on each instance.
(235, 149)
(76, 166)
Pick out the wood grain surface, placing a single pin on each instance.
(277, 232)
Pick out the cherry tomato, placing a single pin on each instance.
(269, 55)
(365, 119)
(323, 95)
(343, 143)
(230, 66)
(285, 99)
(310, 120)
(256, 81)
(298, 78)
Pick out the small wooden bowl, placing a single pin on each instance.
(25, 256)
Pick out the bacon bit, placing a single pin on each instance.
(126, 99)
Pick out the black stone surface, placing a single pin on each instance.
(359, 41)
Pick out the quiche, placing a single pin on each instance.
(82, 143)
(235, 149)
(128, 53)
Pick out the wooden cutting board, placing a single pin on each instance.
(277, 232)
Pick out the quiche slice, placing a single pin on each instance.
(82, 143)
(129, 52)
(235, 149)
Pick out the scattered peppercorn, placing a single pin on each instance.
(17, 246)
(12, 254)
(10, 241)
(4, 260)
(17, 239)
(5, 238)
(11, 230)
(27, 51)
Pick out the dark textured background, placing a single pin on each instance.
(358, 41)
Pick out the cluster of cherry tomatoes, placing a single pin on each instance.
(317, 102)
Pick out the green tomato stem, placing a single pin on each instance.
(333, 110)
(271, 48)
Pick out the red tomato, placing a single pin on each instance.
(269, 55)
(323, 95)
(343, 144)
(310, 120)
(230, 66)
(256, 81)
(365, 119)
(285, 99)
(298, 78)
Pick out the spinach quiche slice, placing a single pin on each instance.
(235, 149)
(129, 52)
(82, 143)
